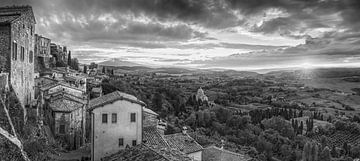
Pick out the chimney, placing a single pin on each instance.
(184, 130)
(161, 126)
(222, 144)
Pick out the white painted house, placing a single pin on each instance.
(116, 122)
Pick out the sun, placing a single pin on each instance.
(306, 65)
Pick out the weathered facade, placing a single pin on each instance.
(150, 118)
(116, 122)
(66, 117)
(42, 52)
(17, 33)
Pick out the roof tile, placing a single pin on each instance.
(183, 142)
(111, 97)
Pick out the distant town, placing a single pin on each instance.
(55, 108)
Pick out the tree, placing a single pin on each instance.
(281, 125)
(157, 101)
(334, 152)
(325, 154)
(93, 65)
(85, 69)
(103, 70)
(69, 59)
(75, 64)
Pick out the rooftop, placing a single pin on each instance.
(11, 13)
(147, 153)
(64, 104)
(112, 97)
(213, 153)
(151, 136)
(183, 142)
(96, 90)
(150, 111)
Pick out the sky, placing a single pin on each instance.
(232, 34)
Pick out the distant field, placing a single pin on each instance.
(332, 83)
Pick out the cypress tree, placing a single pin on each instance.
(85, 69)
(69, 58)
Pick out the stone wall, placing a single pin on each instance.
(5, 48)
(22, 70)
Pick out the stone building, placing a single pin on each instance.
(66, 116)
(150, 117)
(17, 34)
(42, 52)
(116, 122)
(200, 95)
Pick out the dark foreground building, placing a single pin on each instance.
(17, 33)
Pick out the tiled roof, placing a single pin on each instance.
(8, 18)
(49, 86)
(96, 90)
(61, 94)
(64, 105)
(112, 97)
(147, 153)
(11, 13)
(150, 111)
(183, 142)
(214, 153)
(151, 136)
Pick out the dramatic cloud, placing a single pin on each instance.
(262, 33)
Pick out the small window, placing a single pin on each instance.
(62, 129)
(134, 143)
(31, 57)
(14, 51)
(113, 118)
(104, 118)
(22, 53)
(121, 142)
(133, 117)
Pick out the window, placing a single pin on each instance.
(22, 54)
(31, 57)
(133, 117)
(14, 52)
(104, 118)
(62, 129)
(121, 142)
(113, 118)
(134, 143)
